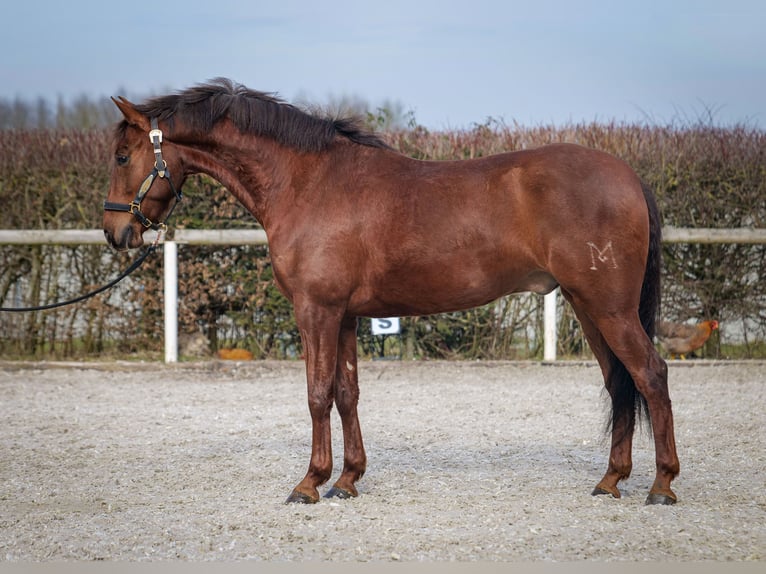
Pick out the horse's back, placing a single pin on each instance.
(460, 234)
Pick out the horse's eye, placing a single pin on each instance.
(122, 159)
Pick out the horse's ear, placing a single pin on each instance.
(131, 114)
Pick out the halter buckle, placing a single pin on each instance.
(161, 170)
(155, 133)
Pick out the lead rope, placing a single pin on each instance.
(135, 265)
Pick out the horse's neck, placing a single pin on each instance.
(254, 170)
(266, 177)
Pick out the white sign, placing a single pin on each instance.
(388, 326)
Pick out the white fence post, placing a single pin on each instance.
(549, 326)
(170, 249)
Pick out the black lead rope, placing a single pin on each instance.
(135, 265)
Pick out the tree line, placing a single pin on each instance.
(85, 112)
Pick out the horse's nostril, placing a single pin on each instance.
(121, 241)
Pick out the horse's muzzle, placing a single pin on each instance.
(125, 240)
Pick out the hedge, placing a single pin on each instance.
(703, 175)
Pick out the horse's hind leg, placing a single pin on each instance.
(629, 342)
(623, 420)
(346, 399)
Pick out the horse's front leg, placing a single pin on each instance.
(346, 399)
(319, 330)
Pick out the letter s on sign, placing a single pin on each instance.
(385, 326)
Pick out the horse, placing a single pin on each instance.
(357, 229)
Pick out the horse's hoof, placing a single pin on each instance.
(656, 498)
(599, 491)
(336, 492)
(300, 498)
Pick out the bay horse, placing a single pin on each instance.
(356, 229)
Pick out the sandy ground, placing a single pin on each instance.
(466, 461)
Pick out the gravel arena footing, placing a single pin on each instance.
(467, 461)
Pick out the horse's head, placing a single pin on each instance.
(142, 192)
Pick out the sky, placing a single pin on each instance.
(451, 64)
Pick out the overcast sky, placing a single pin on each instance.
(452, 63)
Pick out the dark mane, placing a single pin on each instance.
(259, 113)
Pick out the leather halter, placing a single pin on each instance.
(160, 169)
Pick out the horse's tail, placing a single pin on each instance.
(626, 400)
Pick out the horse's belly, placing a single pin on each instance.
(443, 292)
(540, 282)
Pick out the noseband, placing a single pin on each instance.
(160, 170)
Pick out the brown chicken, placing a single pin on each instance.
(680, 339)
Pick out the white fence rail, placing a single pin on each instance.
(258, 237)
(96, 237)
